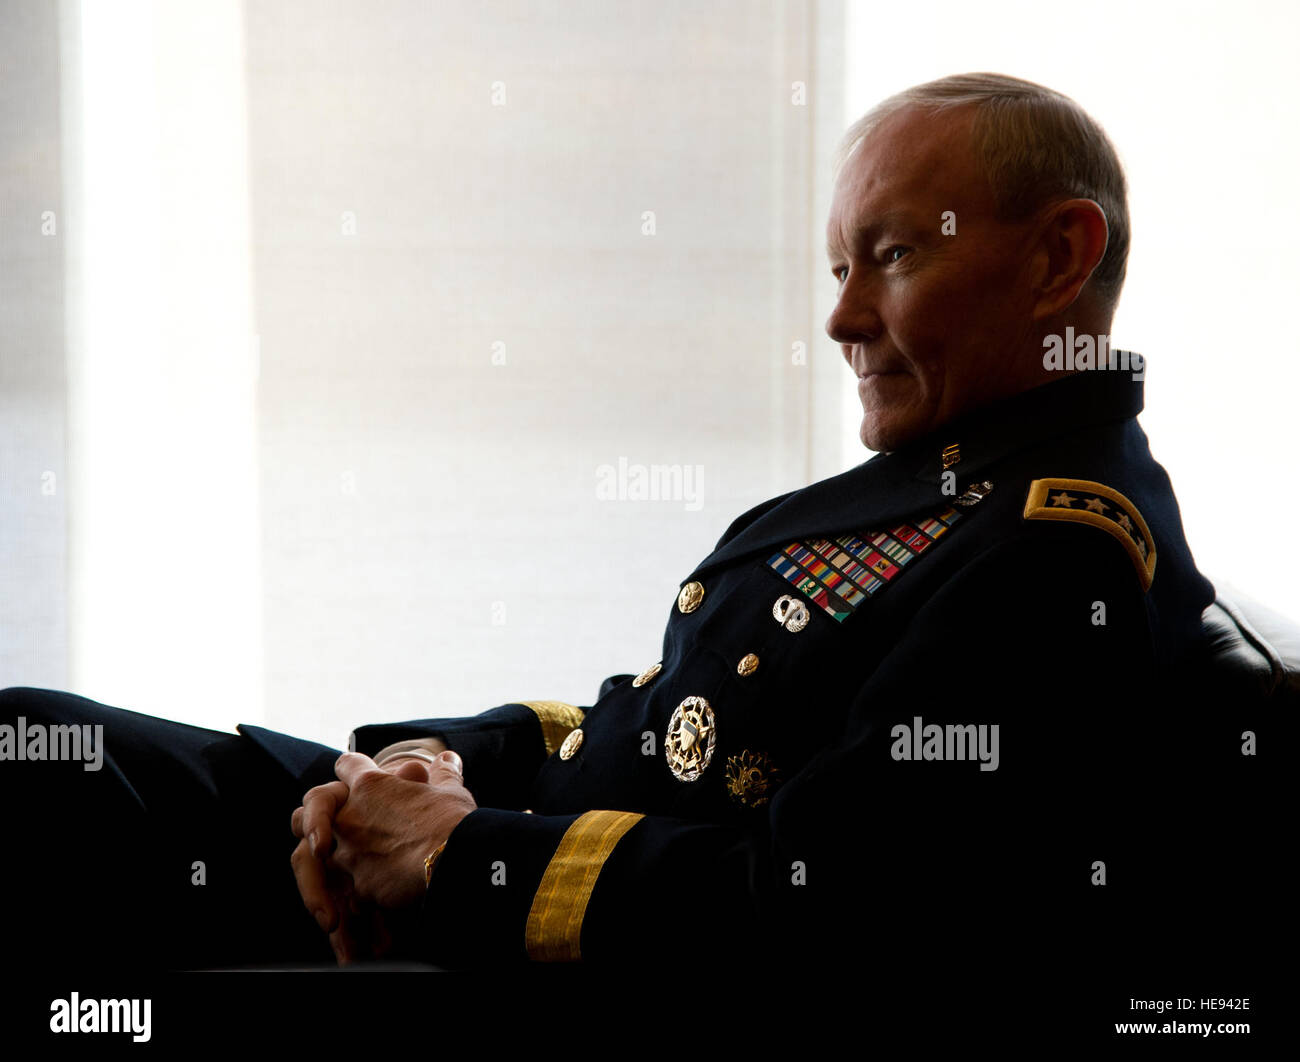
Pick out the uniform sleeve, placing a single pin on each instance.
(501, 748)
(1045, 637)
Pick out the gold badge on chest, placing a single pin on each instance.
(752, 778)
(692, 733)
(790, 613)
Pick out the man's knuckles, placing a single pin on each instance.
(327, 794)
(412, 770)
(369, 783)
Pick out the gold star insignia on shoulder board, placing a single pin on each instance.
(1104, 508)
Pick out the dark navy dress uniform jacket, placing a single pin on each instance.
(812, 828)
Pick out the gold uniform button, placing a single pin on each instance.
(648, 674)
(572, 744)
(690, 597)
(748, 664)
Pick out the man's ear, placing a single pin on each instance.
(1071, 244)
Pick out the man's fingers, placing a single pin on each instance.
(451, 766)
(309, 872)
(351, 766)
(445, 767)
(431, 745)
(346, 950)
(314, 821)
(348, 938)
(381, 939)
(412, 770)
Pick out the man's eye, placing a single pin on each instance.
(890, 251)
(840, 272)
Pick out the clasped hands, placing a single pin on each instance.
(359, 863)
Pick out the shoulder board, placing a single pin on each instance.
(1085, 502)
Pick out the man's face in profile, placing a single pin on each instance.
(931, 324)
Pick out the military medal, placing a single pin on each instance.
(751, 778)
(692, 733)
(790, 613)
(839, 574)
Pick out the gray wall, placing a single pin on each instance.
(459, 317)
(433, 541)
(33, 412)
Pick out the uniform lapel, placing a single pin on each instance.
(873, 495)
(891, 488)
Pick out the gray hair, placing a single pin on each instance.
(1036, 146)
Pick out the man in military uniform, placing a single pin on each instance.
(917, 711)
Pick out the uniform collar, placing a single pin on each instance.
(890, 487)
(986, 435)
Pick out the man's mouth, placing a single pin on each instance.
(875, 386)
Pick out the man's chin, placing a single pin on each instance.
(889, 426)
(885, 435)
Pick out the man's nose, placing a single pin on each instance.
(855, 318)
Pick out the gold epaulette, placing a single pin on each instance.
(1085, 502)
